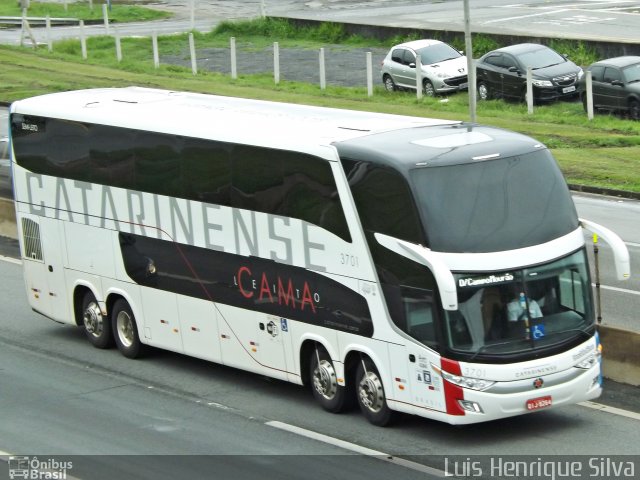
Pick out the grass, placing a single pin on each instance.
(601, 153)
(121, 11)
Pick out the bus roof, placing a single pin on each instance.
(396, 140)
(258, 122)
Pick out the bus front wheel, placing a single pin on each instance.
(324, 381)
(370, 393)
(96, 325)
(125, 329)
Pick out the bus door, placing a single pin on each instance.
(412, 370)
(43, 264)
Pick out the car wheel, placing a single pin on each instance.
(483, 91)
(427, 88)
(634, 109)
(389, 84)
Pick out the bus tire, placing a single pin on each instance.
(125, 329)
(96, 326)
(370, 394)
(324, 382)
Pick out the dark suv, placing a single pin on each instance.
(502, 73)
(616, 86)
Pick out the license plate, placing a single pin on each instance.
(538, 403)
(572, 88)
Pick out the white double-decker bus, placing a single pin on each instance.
(409, 264)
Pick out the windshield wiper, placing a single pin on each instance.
(499, 344)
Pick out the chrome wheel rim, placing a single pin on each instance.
(325, 381)
(124, 326)
(93, 320)
(371, 393)
(429, 91)
(483, 93)
(388, 84)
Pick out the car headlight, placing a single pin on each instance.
(542, 83)
(464, 382)
(580, 74)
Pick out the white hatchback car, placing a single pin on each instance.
(444, 69)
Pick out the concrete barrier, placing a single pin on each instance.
(8, 219)
(620, 355)
(621, 348)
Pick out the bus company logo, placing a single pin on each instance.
(275, 290)
(535, 371)
(474, 282)
(36, 469)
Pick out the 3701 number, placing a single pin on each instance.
(349, 260)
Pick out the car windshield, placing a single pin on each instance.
(494, 205)
(438, 52)
(631, 73)
(540, 58)
(522, 309)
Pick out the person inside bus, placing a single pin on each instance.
(517, 306)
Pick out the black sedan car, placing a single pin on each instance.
(502, 73)
(615, 85)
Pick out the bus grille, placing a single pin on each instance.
(31, 239)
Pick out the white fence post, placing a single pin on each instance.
(418, 77)
(529, 91)
(276, 62)
(118, 45)
(66, 6)
(369, 74)
(234, 64)
(156, 55)
(91, 5)
(83, 41)
(192, 50)
(263, 10)
(323, 73)
(192, 16)
(589, 94)
(48, 28)
(105, 16)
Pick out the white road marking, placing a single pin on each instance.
(519, 17)
(15, 261)
(357, 448)
(606, 408)
(616, 289)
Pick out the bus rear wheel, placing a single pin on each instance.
(96, 325)
(370, 393)
(125, 330)
(324, 382)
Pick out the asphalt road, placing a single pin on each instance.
(60, 396)
(603, 20)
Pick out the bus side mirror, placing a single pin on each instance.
(620, 252)
(431, 260)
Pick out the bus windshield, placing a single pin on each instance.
(494, 205)
(522, 309)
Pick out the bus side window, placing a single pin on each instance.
(571, 293)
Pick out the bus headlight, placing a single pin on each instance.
(464, 382)
(589, 362)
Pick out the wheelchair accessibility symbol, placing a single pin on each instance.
(537, 331)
